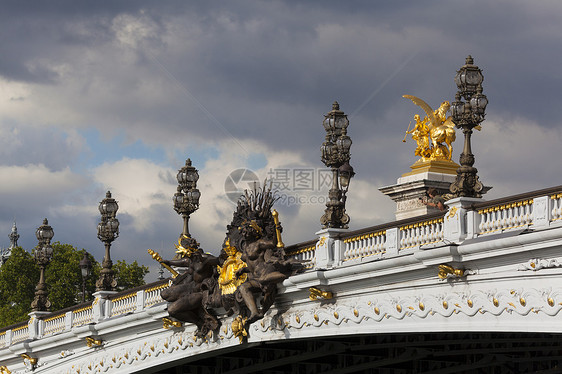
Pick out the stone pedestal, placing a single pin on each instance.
(413, 186)
(99, 304)
(35, 322)
(458, 224)
(329, 248)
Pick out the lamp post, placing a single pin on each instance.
(186, 199)
(335, 155)
(467, 115)
(108, 231)
(86, 270)
(43, 255)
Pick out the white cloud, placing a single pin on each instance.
(516, 155)
(134, 30)
(33, 181)
(137, 185)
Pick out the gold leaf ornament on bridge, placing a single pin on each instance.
(434, 134)
(186, 246)
(228, 282)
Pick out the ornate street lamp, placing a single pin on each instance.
(467, 115)
(186, 199)
(335, 155)
(43, 254)
(108, 231)
(86, 270)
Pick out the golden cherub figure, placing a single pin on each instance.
(435, 127)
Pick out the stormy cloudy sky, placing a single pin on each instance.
(116, 95)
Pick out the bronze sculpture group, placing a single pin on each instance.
(242, 280)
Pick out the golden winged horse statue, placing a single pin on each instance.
(435, 125)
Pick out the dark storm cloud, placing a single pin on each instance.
(305, 55)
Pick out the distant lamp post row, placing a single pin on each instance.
(467, 115)
(336, 155)
(186, 199)
(108, 231)
(43, 255)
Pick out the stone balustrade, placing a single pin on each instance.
(54, 324)
(152, 295)
(505, 217)
(466, 219)
(365, 245)
(304, 253)
(556, 201)
(82, 316)
(116, 304)
(123, 304)
(18, 334)
(421, 233)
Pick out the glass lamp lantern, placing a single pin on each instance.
(85, 266)
(346, 173)
(469, 78)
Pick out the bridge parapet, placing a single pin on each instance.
(466, 219)
(115, 305)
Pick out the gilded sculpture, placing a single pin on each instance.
(434, 134)
(228, 282)
(242, 280)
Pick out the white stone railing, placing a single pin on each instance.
(123, 304)
(82, 316)
(305, 254)
(421, 233)
(54, 324)
(467, 218)
(505, 216)
(556, 211)
(152, 295)
(19, 334)
(365, 245)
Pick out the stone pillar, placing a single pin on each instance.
(541, 211)
(100, 303)
(68, 320)
(36, 325)
(140, 301)
(8, 338)
(392, 244)
(456, 225)
(329, 248)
